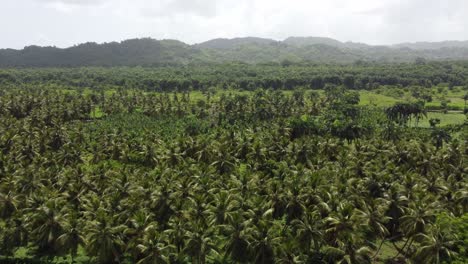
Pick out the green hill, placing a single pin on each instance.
(151, 52)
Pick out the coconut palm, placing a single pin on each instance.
(104, 241)
(309, 232)
(236, 244)
(8, 205)
(435, 247)
(153, 249)
(46, 225)
(199, 244)
(72, 236)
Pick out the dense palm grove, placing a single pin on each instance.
(360, 75)
(143, 177)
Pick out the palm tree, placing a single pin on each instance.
(13, 235)
(223, 205)
(372, 218)
(176, 234)
(199, 244)
(135, 231)
(415, 221)
(224, 163)
(419, 215)
(341, 225)
(153, 248)
(8, 205)
(46, 225)
(435, 247)
(263, 240)
(440, 136)
(71, 237)
(288, 252)
(309, 232)
(344, 237)
(349, 255)
(236, 245)
(104, 241)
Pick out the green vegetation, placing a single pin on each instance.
(448, 79)
(372, 98)
(150, 52)
(446, 119)
(236, 164)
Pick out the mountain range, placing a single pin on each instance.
(151, 52)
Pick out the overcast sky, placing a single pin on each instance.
(64, 23)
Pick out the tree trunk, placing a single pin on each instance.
(378, 249)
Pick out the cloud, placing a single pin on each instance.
(73, 2)
(424, 20)
(68, 6)
(68, 22)
(168, 8)
(204, 8)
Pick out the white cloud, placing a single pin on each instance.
(73, 2)
(203, 8)
(67, 22)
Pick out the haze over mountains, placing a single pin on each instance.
(151, 52)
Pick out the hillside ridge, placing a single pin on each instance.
(152, 52)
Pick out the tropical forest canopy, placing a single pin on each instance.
(290, 162)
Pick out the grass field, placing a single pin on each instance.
(453, 97)
(445, 119)
(371, 98)
(451, 118)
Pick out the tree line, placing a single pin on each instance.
(242, 76)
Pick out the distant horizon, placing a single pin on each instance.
(64, 23)
(232, 38)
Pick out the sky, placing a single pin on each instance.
(65, 23)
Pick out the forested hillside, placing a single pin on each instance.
(150, 52)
